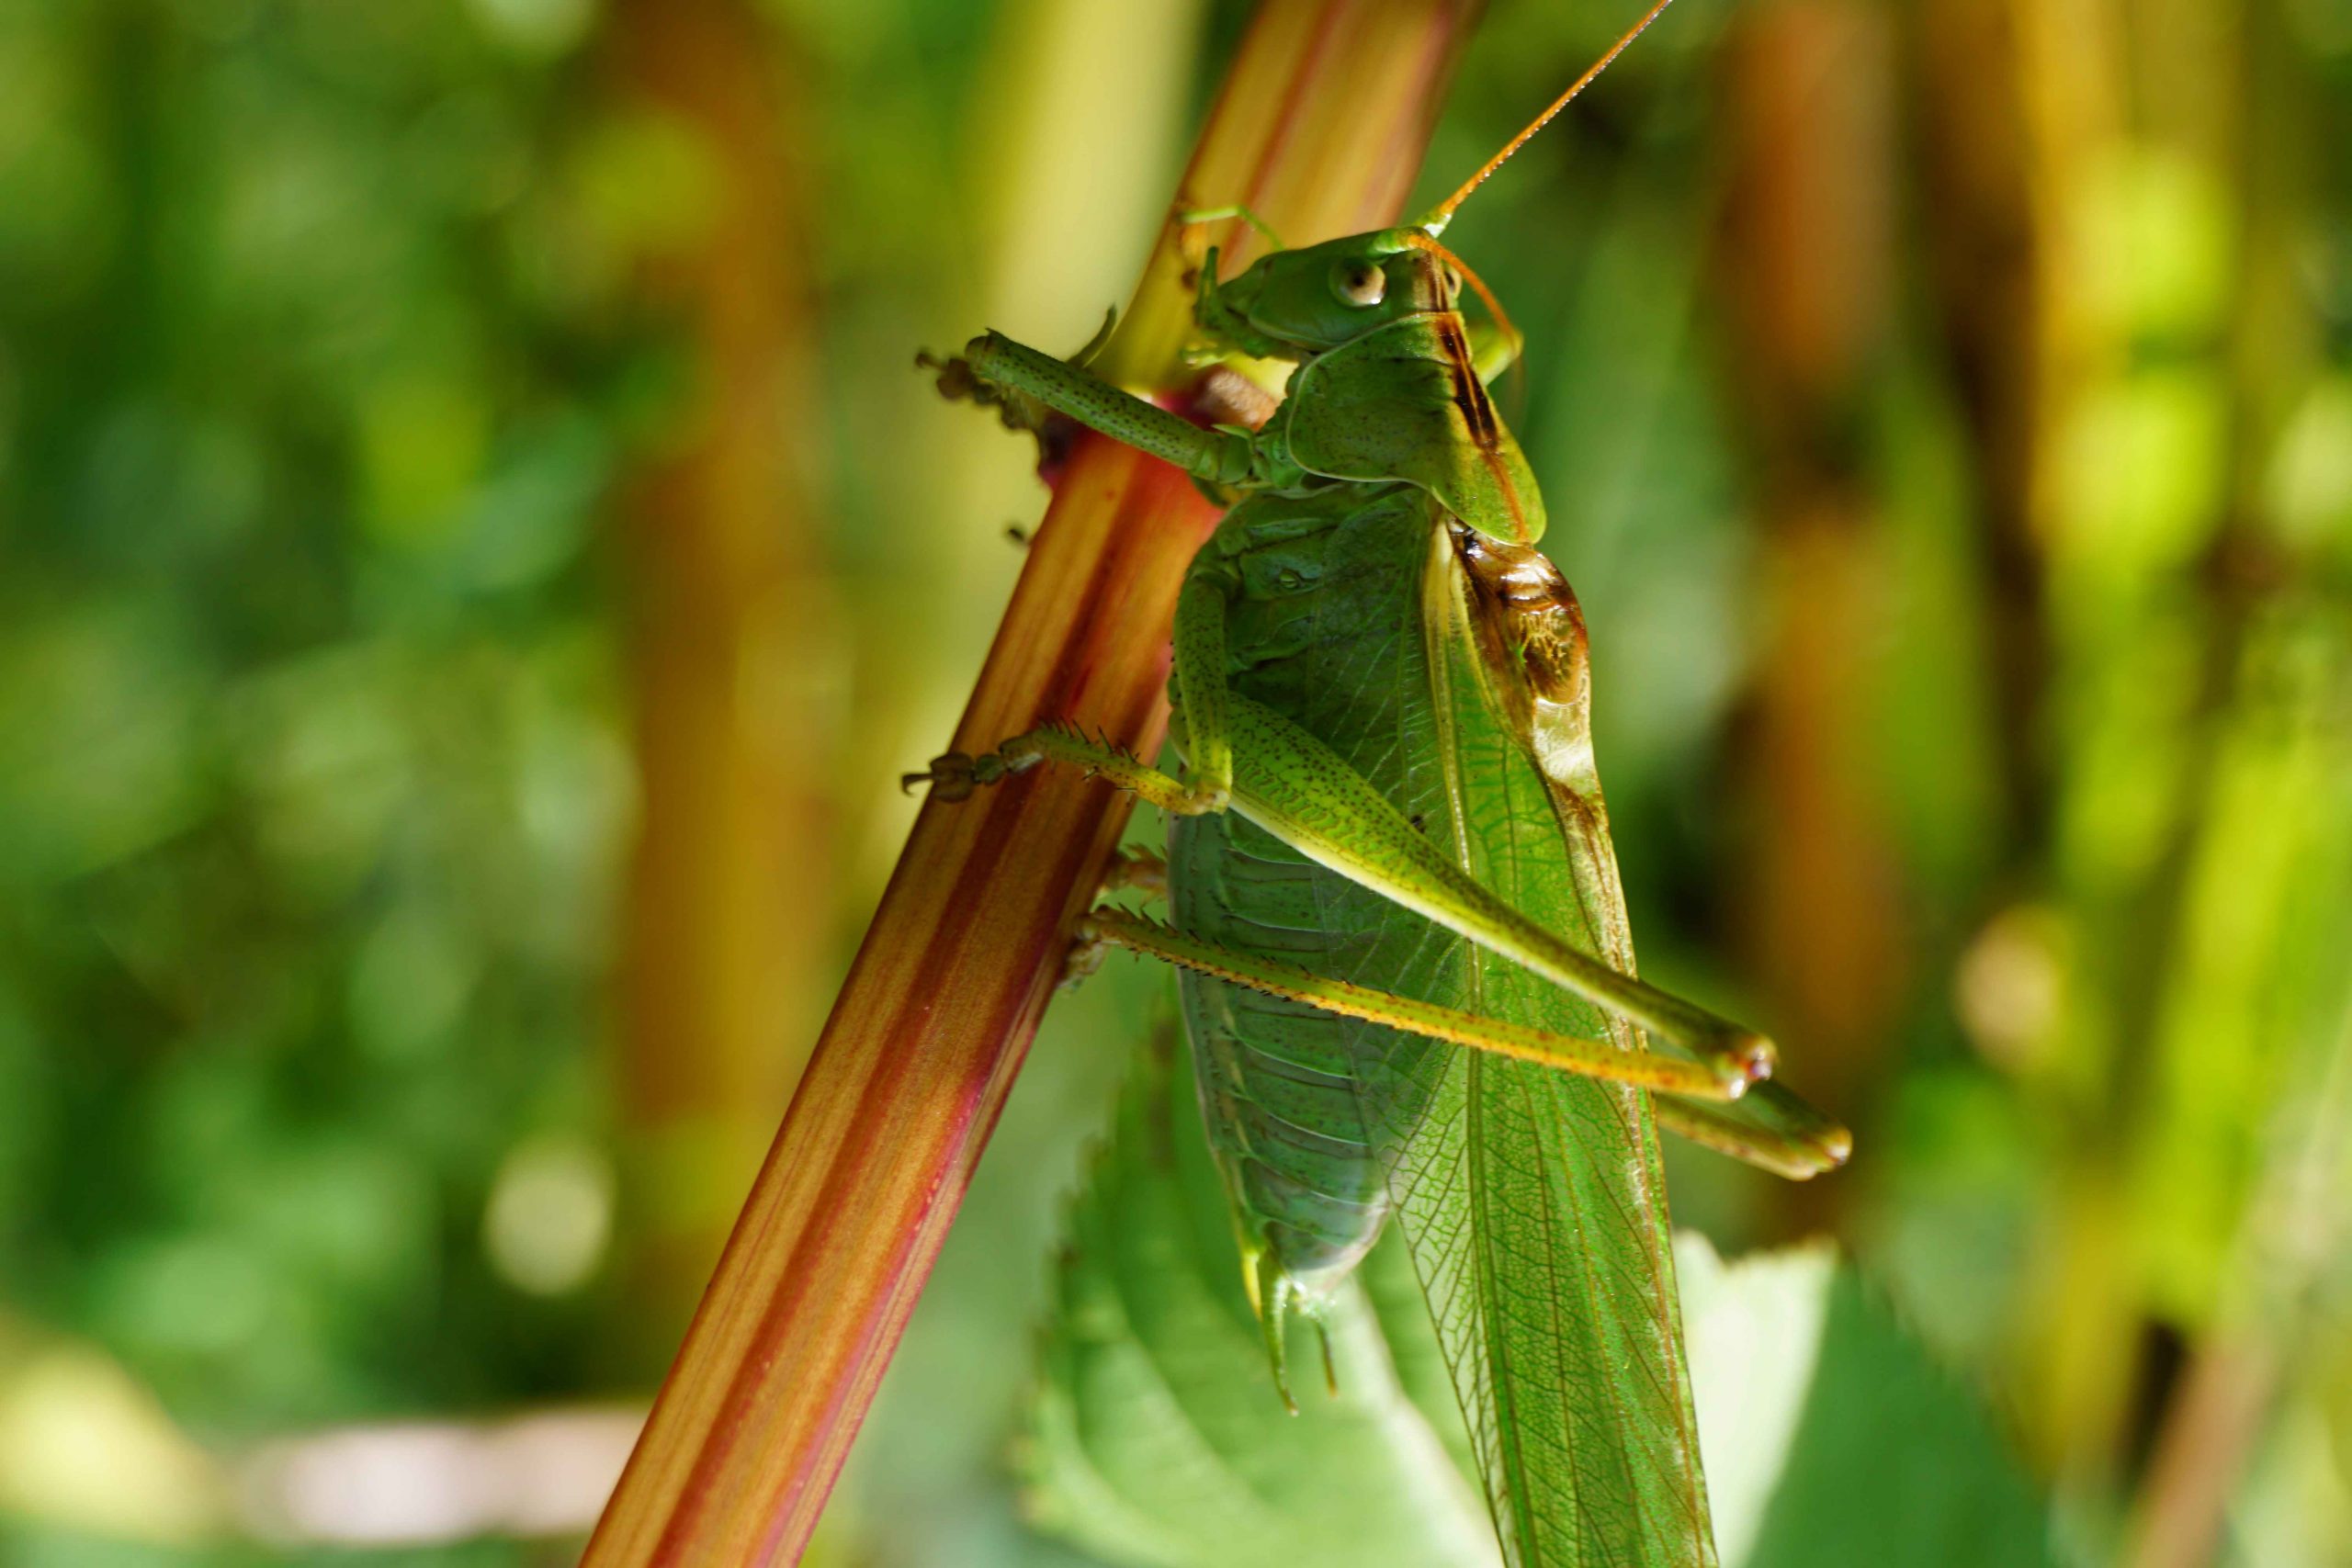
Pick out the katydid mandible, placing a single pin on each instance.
(1407, 974)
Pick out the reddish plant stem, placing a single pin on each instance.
(1318, 126)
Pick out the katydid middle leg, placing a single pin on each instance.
(1200, 657)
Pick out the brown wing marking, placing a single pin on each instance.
(1532, 638)
(1479, 413)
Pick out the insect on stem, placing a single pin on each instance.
(1404, 959)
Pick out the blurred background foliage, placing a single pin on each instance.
(476, 556)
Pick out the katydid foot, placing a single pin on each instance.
(1135, 870)
(954, 775)
(1131, 871)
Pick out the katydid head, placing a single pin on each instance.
(1294, 304)
(1389, 386)
(1298, 303)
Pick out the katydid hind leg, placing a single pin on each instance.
(1305, 793)
(1770, 1128)
(1498, 1036)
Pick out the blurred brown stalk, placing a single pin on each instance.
(1806, 263)
(734, 624)
(2154, 1313)
(1318, 128)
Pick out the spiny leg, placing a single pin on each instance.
(1503, 1037)
(1200, 684)
(1307, 795)
(1203, 695)
(1772, 1128)
(955, 775)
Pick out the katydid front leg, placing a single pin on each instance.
(1212, 456)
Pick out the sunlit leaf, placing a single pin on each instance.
(1831, 1438)
(1156, 1436)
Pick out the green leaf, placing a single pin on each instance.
(1830, 1437)
(1156, 1436)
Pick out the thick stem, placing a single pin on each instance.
(1319, 127)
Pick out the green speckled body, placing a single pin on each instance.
(1450, 670)
(1323, 626)
(1388, 696)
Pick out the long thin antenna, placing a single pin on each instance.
(1443, 212)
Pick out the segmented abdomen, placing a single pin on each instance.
(1302, 1108)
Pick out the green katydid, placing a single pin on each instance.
(1407, 974)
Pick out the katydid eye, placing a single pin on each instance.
(1452, 285)
(1359, 283)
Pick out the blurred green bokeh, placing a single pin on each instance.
(1946, 413)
